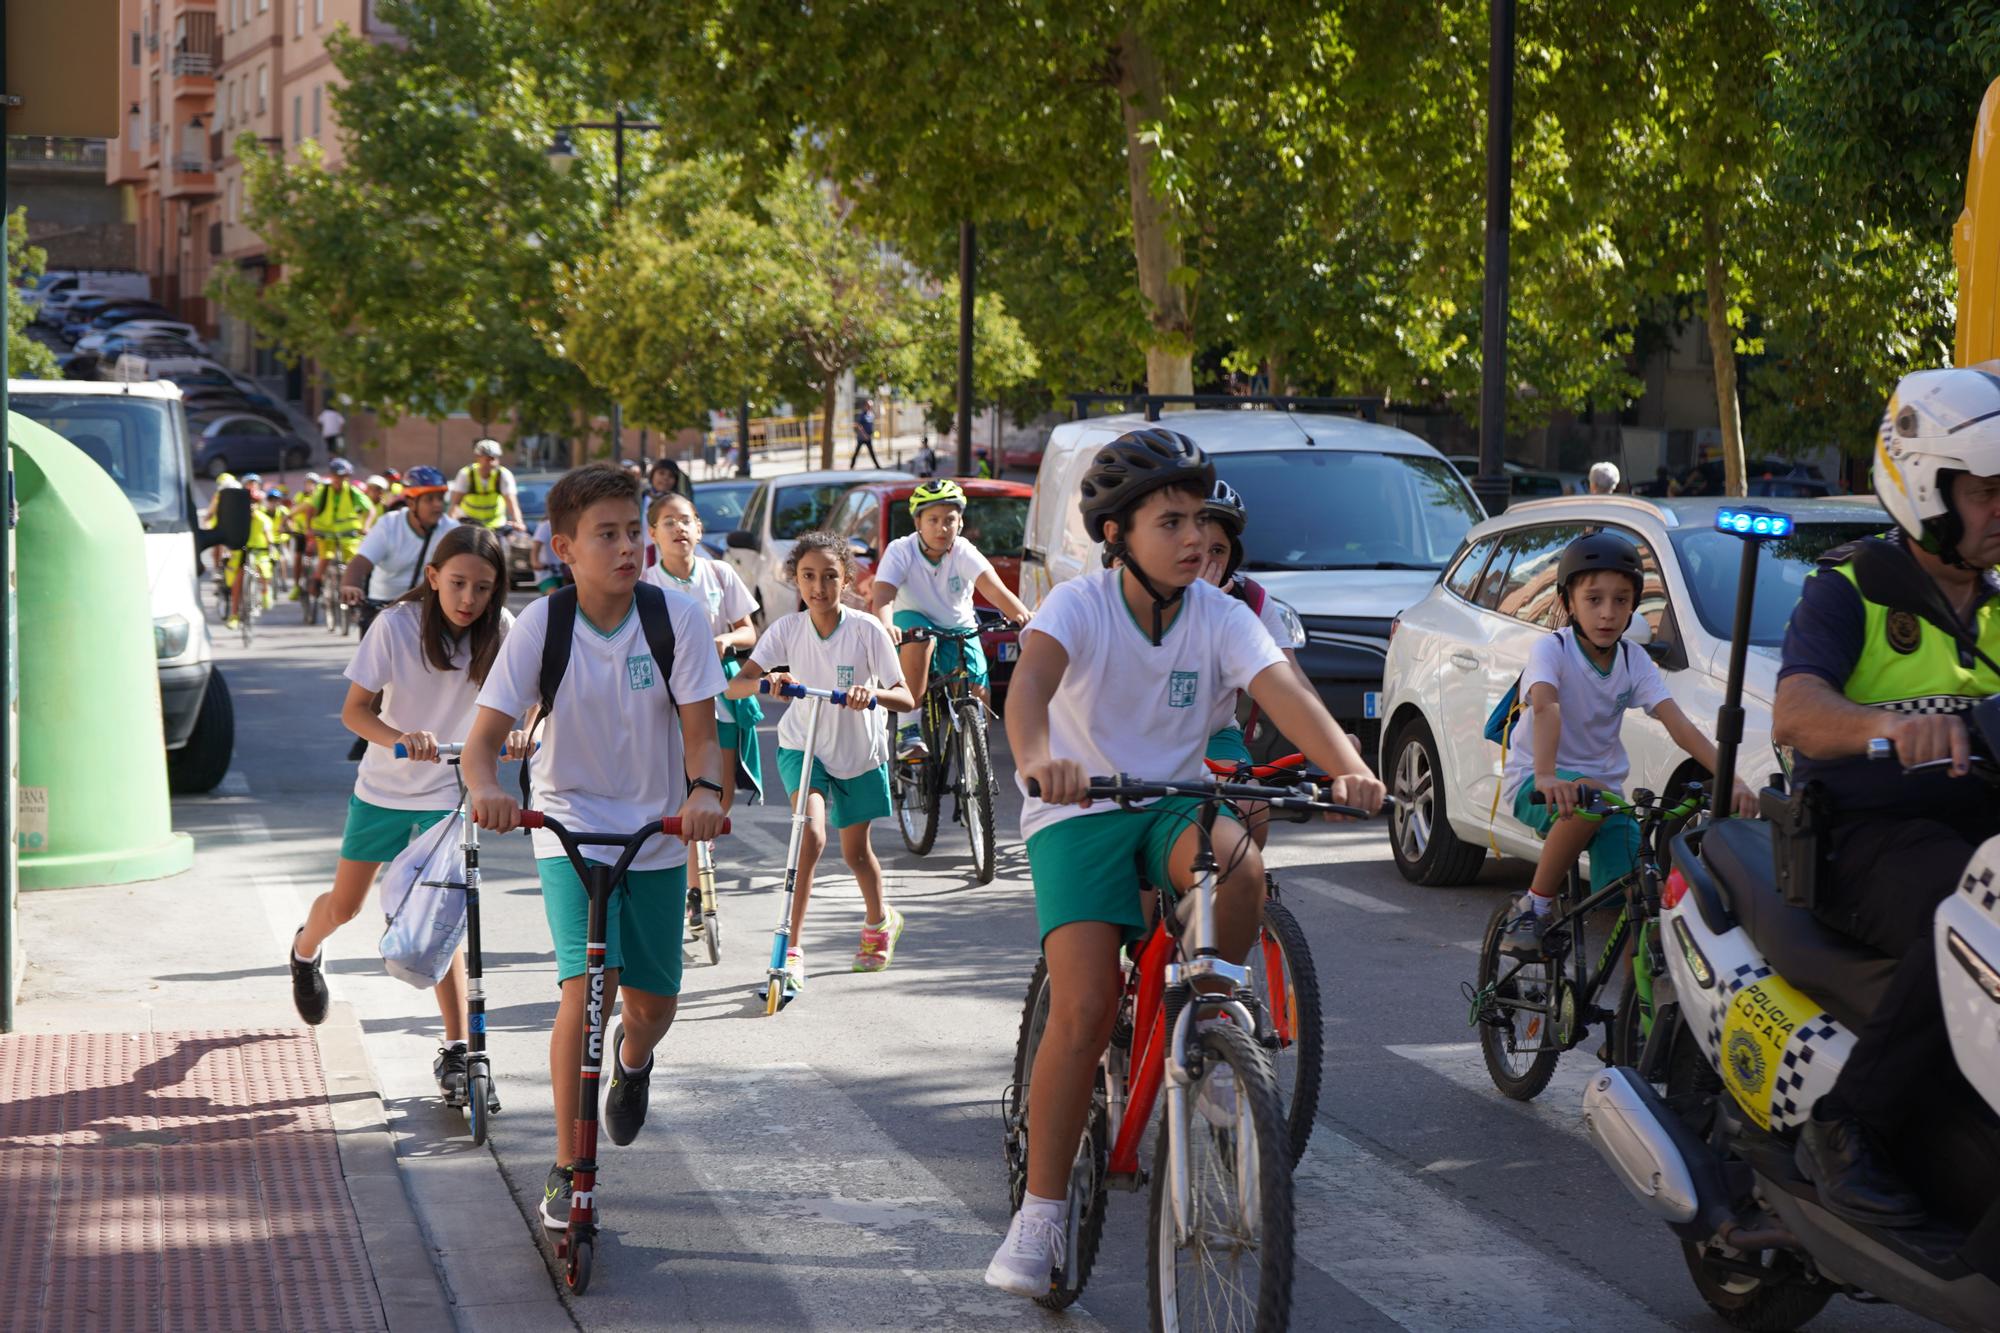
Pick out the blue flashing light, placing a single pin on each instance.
(1756, 524)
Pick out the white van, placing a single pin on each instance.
(57, 289)
(1350, 522)
(138, 434)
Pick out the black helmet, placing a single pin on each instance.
(1600, 550)
(1135, 465)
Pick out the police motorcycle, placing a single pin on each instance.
(1758, 1019)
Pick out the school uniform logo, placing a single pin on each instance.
(639, 671)
(843, 676)
(957, 585)
(1181, 688)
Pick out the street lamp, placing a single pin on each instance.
(561, 154)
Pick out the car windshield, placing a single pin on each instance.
(1338, 509)
(800, 509)
(534, 498)
(996, 524)
(136, 442)
(721, 507)
(1710, 562)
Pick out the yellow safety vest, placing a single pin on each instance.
(482, 504)
(338, 511)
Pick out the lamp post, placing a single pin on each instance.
(561, 153)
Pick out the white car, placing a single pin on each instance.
(1457, 652)
(1350, 522)
(779, 511)
(140, 329)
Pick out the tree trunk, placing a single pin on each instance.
(1170, 346)
(1722, 349)
(829, 396)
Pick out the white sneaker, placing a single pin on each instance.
(1027, 1257)
(1215, 1097)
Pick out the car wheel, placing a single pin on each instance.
(1427, 851)
(295, 459)
(215, 467)
(200, 765)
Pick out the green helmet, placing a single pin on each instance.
(946, 492)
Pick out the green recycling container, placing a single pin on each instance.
(93, 805)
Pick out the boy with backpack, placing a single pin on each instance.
(628, 736)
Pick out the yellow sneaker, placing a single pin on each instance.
(878, 945)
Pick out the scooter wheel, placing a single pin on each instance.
(478, 1106)
(577, 1275)
(712, 931)
(773, 991)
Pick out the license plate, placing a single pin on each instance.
(1371, 704)
(1010, 651)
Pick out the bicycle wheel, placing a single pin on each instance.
(1233, 1268)
(1520, 1045)
(1084, 1222)
(975, 790)
(1287, 984)
(916, 799)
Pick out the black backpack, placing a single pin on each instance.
(559, 640)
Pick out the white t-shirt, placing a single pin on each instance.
(719, 589)
(1125, 706)
(610, 756)
(331, 422)
(1281, 634)
(858, 652)
(394, 551)
(543, 532)
(1593, 706)
(416, 696)
(940, 591)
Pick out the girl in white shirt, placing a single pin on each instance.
(719, 590)
(424, 661)
(829, 646)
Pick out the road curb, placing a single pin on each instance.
(400, 1255)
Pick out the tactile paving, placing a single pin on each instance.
(174, 1182)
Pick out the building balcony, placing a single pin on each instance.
(193, 69)
(189, 178)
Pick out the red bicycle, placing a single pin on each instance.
(1221, 1201)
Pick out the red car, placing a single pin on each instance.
(875, 513)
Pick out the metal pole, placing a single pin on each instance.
(968, 253)
(1729, 717)
(8, 657)
(1491, 484)
(743, 438)
(617, 207)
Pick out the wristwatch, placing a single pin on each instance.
(715, 787)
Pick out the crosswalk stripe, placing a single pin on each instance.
(1560, 1105)
(1346, 897)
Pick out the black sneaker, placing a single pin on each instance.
(449, 1071)
(1523, 936)
(308, 986)
(625, 1102)
(555, 1199)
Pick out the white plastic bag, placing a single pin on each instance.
(423, 898)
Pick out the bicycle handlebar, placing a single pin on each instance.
(670, 825)
(798, 691)
(1291, 764)
(1618, 805)
(1123, 788)
(924, 635)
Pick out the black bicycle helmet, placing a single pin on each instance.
(1600, 550)
(1135, 465)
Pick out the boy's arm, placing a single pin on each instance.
(1562, 796)
(741, 635)
(998, 593)
(1692, 739)
(1036, 676)
(1297, 712)
(479, 763)
(881, 596)
(701, 813)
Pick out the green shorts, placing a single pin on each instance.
(849, 801)
(1092, 867)
(376, 833)
(1227, 746)
(947, 652)
(642, 936)
(1614, 848)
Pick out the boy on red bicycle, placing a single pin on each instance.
(1121, 672)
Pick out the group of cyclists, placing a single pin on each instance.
(1134, 669)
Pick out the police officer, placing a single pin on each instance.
(484, 493)
(1863, 660)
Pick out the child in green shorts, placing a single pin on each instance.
(928, 577)
(1121, 672)
(832, 647)
(610, 760)
(424, 659)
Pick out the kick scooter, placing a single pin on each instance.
(578, 1245)
(774, 986)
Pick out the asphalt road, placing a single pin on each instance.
(839, 1166)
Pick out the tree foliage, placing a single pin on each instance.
(26, 358)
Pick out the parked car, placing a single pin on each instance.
(1523, 482)
(721, 505)
(1350, 522)
(212, 402)
(1458, 651)
(996, 516)
(1772, 477)
(60, 287)
(90, 315)
(209, 383)
(779, 510)
(532, 490)
(143, 329)
(243, 441)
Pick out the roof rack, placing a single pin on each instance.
(1368, 409)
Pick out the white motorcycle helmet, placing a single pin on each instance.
(1939, 423)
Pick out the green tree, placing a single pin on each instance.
(26, 358)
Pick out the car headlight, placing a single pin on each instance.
(170, 636)
(1295, 629)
